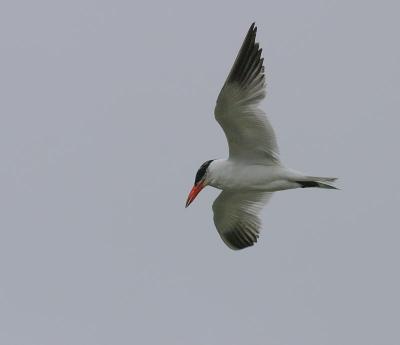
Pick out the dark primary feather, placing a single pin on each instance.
(240, 236)
(248, 69)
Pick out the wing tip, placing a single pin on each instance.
(252, 32)
(249, 62)
(238, 238)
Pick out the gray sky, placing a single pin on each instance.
(107, 113)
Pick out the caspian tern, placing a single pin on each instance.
(253, 170)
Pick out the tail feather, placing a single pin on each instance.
(321, 179)
(319, 182)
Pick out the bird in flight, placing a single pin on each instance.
(253, 170)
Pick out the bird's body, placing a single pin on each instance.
(229, 175)
(253, 170)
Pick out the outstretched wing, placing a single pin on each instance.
(250, 136)
(236, 217)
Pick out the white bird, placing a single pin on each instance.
(253, 170)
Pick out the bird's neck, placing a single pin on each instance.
(219, 172)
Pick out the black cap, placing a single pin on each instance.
(202, 171)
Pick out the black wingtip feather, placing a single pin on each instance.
(249, 63)
(236, 241)
(239, 238)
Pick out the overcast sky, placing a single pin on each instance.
(107, 113)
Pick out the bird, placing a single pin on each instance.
(253, 171)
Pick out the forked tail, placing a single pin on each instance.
(319, 182)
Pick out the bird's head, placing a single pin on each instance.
(200, 181)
